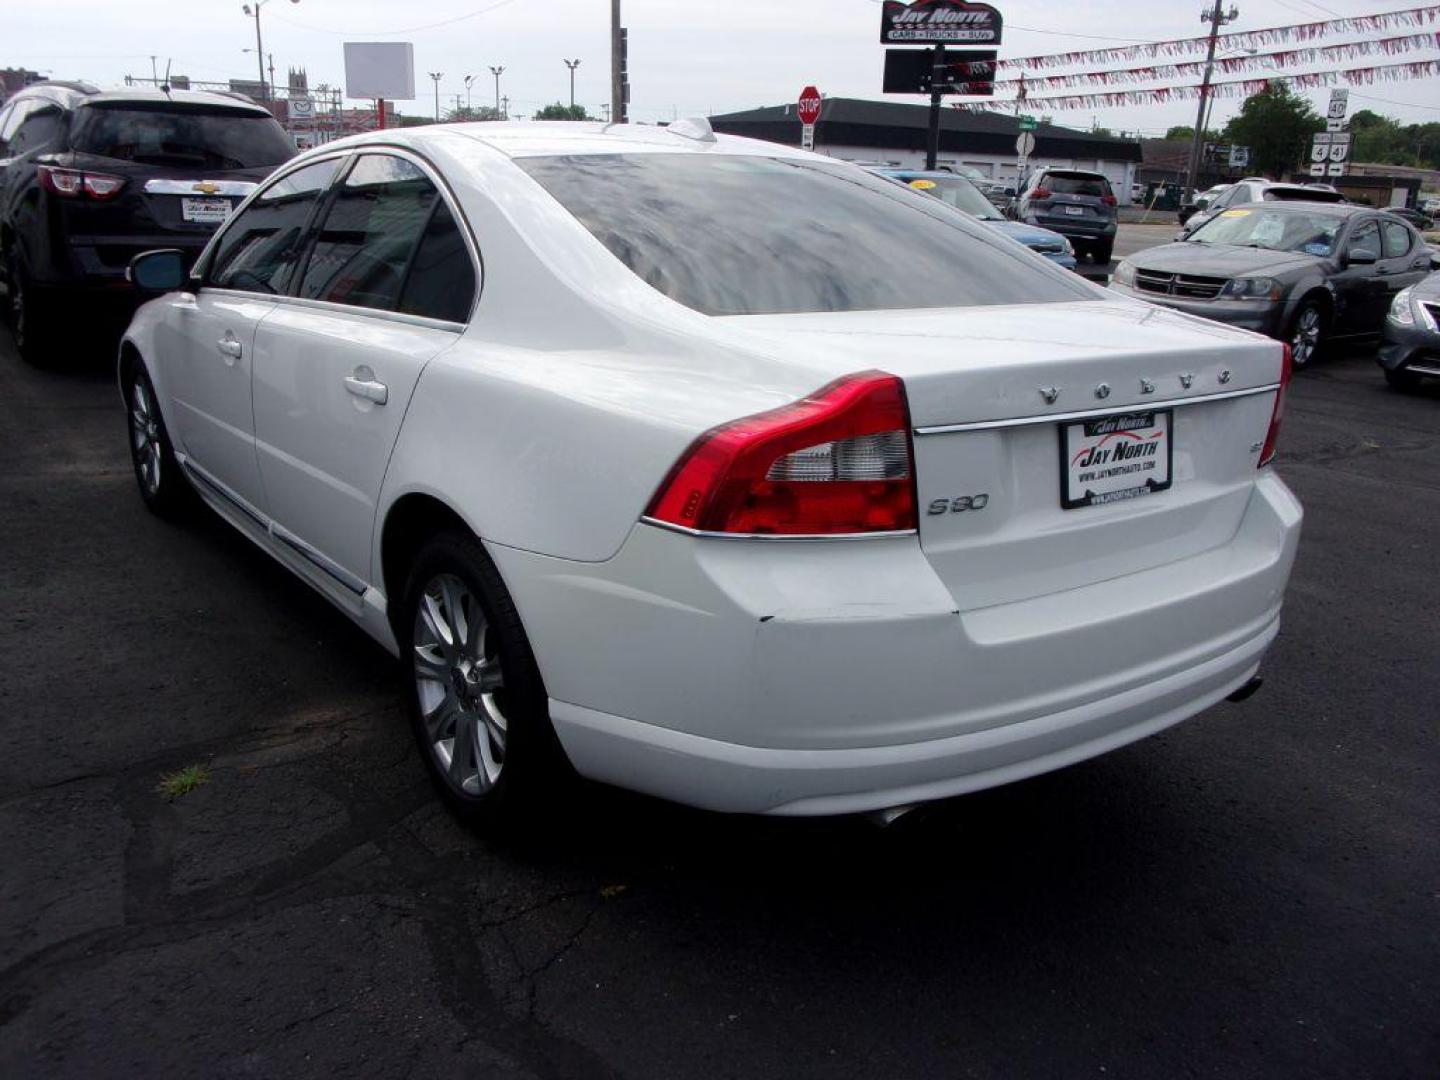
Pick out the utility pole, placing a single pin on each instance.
(572, 65)
(1217, 18)
(436, 76)
(619, 83)
(505, 107)
(468, 80)
(497, 72)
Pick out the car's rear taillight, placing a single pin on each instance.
(838, 461)
(1277, 413)
(73, 183)
(1040, 193)
(1108, 200)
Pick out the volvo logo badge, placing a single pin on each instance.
(1103, 390)
(1224, 376)
(1049, 393)
(1146, 386)
(1186, 379)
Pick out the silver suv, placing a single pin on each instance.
(1078, 205)
(1255, 190)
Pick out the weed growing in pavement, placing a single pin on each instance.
(183, 781)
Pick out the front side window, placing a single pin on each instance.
(1366, 236)
(260, 247)
(750, 235)
(1397, 239)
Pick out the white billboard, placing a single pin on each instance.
(377, 70)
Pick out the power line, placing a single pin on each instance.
(402, 30)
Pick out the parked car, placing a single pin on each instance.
(758, 512)
(1411, 352)
(1423, 222)
(960, 193)
(1203, 200)
(1306, 273)
(1078, 205)
(997, 191)
(1430, 205)
(1257, 191)
(89, 179)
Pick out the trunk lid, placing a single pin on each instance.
(990, 392)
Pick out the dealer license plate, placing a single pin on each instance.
(207, 211)
(1113, 458)
(1074, 211)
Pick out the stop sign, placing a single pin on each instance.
(809, 105)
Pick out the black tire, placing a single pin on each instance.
(533, 776)
(31, 321)
(1103, 252)
(1400, 379)
(165, 491)
(1307, 334)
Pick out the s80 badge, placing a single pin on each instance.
(959, 504)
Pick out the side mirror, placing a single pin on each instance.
(158, 271)
(1361, 257)
(1010, 191)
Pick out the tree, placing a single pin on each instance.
(464, 114)
(1276, 124)
(561, 111)
(1180, 131)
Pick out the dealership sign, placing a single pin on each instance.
(939, 22)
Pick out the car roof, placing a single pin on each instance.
(552, 138)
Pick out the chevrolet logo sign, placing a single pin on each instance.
(207, 187)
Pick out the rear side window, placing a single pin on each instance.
(181, 137)
(38, 129)
(441, 282)
(1397, 239)
(751, 235)
(363, 249)
(1367, 236)
(261, 245)
(1070, 183)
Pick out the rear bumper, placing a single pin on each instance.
(1266, 317)
(1072, 227)
(823, 678)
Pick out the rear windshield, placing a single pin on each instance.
(1301, 194)
(729, 235)
(1069, 183)
(953, 191)
(210, 139)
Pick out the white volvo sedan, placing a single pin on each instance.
(715, 469)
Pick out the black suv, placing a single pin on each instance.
(89, 179)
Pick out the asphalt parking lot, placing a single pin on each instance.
(1253, 893)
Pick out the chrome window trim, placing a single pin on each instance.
(370, 313)
(1088, 414)
(789, 538)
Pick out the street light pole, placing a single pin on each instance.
(497, 72)
(468, 80)
(572, 65)
(436, 76)
(254, 9)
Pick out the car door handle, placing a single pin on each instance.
(368, 389)
(1380, 271)
(230, 348)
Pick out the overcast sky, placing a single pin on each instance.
(686, 56)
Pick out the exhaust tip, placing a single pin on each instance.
(1248, 690)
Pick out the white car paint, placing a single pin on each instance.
(756, 675)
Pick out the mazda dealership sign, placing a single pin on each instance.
(939, 22)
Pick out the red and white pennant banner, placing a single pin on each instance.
(1392, 46)
(1418, 17)
(1363, 76)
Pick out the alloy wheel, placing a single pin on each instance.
(457, 680)
(1305, 337)
(145, 436)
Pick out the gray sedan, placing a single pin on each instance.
(1305, 273)
(1412, 335)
